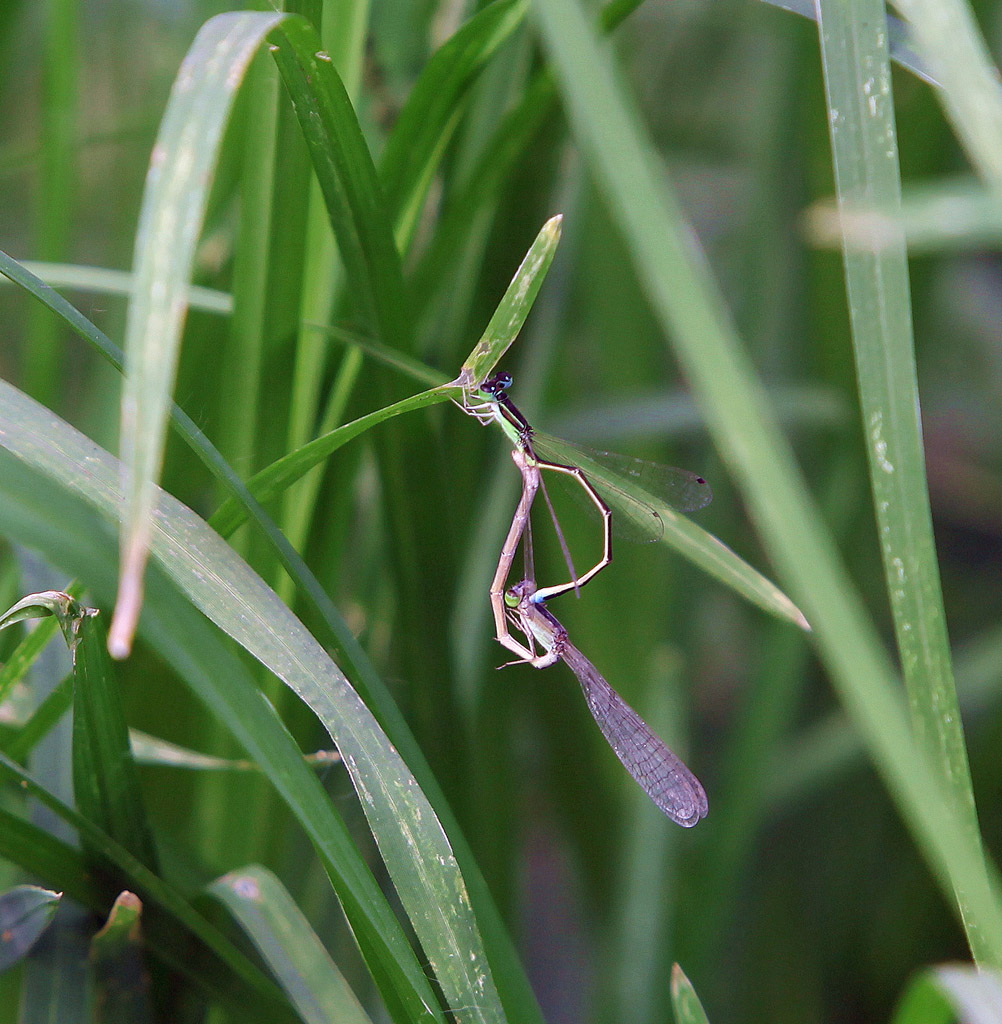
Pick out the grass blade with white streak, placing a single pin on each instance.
(858, 85)
(694, 315)
(410, 838)
(174, 202)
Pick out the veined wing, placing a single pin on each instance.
(661, 774)
(639, 492)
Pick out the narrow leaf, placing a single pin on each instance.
(693, 314)
(411, 840)
(421, 133)
(174, 202)
(288, 946)
(513, 308)
(685, 1003)
(105, 780)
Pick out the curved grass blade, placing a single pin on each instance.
(174, 203)
(693, 313)
(40, 852)
(288, 946)
(433, 109)
(173, 208)
(411, 840)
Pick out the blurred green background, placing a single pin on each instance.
(802, 896)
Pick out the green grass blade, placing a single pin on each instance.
(273, 480)
(693, 313)
(948, 38)
(858, 78)
(177, 191)
(418, 140)
(103, 769)
(685, 1003)
(412, 842)
(105, 782)
(347, 178)
(513, 308)
(343, 31)
(288, 946)
(222, 968)
(43, 516)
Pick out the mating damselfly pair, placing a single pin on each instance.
(641, 493)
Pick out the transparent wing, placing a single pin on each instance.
(661, 774)
(640, 493)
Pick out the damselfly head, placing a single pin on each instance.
(497, 385)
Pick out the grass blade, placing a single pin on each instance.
(411, 840)
(288, 946)
(513, 308)
(347, 178)
(434, 107)
(948, 38)
(692, 312)
(858, 83)
(176, 194)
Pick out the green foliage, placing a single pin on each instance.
(334, 211)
